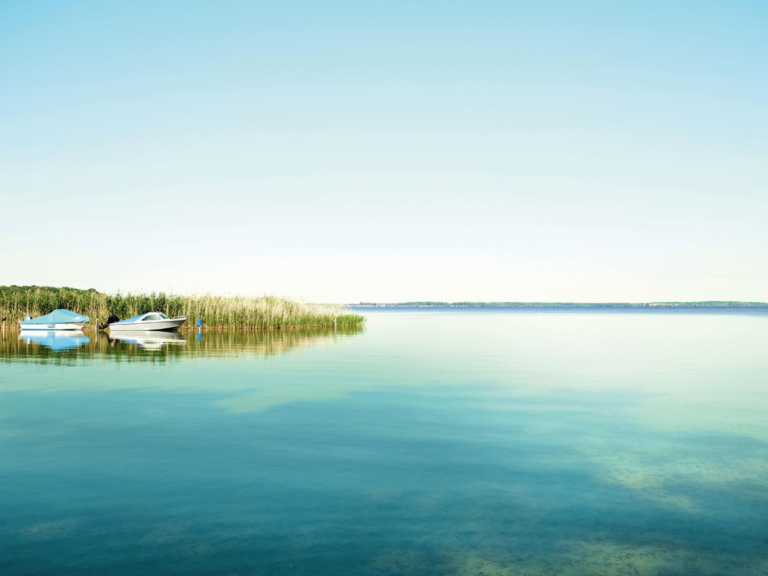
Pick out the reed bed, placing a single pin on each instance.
(244, 312)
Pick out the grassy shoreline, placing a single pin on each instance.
(243, 312)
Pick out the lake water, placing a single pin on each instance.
(432, 442)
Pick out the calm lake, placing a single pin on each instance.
(432, 442)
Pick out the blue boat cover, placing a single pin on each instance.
(59, 316)
(58, 341)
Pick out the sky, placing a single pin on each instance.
(387, 151)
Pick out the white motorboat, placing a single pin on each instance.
(146, 322)
(60, 319)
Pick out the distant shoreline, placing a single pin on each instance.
(569, 305)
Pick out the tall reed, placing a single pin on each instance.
(247, 312)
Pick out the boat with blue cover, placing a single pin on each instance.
(148, 321)
(60, 319)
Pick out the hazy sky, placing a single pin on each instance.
(387, 151)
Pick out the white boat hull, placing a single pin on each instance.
(152, 325)
(50, 327)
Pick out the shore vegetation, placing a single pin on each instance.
(246, 312)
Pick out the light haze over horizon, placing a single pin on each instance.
(387, 151)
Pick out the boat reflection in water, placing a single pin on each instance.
(161, 347)
(55, 339)
(149, 340)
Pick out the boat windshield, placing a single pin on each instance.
(163, 316)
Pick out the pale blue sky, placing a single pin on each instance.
(388, 151)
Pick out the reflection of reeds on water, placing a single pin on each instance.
(266, 342)
(214, 343)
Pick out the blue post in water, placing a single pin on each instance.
(199, 323)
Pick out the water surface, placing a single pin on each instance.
(432, 442)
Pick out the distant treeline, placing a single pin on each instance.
(706, 304)
(215, 311)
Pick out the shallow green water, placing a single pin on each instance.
(432, 442)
